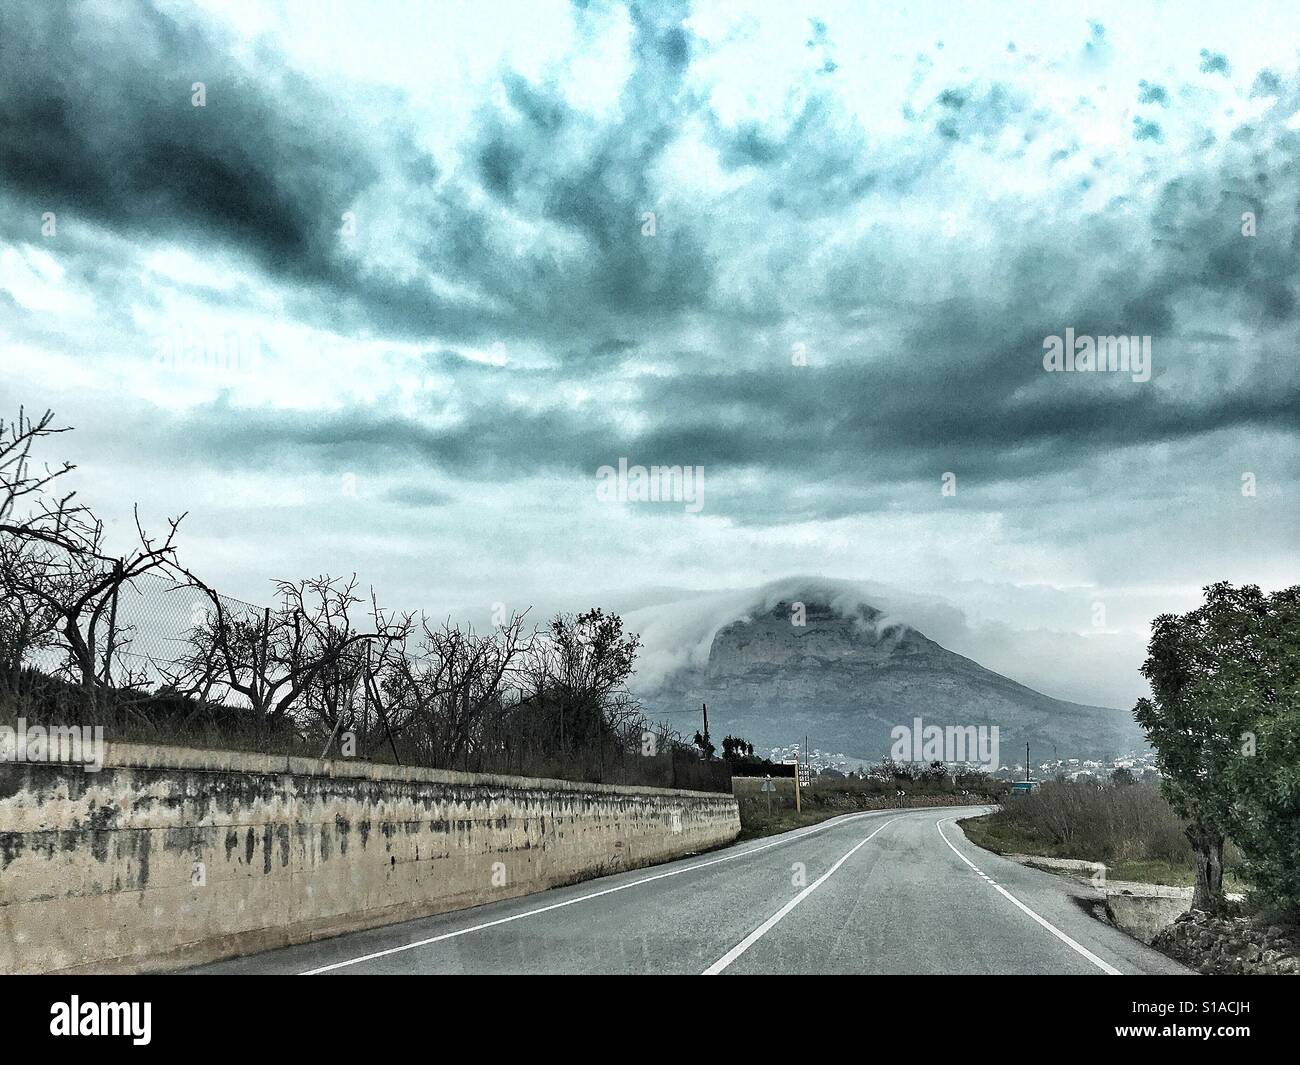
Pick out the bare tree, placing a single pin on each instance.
(313, 663)
(448, 696)
(574, 704)
(79, 586)
(57, 565)
(27, 508)
(27, 624)
(474, 675)
(405, 686)
(295, 663)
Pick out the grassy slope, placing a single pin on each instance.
(994, 833)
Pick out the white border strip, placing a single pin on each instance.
(786, 838)
(762, 930)
(1110, 970)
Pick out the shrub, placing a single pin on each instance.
(1101, 824)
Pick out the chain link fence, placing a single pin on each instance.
(147, 629)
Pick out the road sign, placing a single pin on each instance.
(769, 785)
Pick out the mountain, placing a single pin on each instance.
(851, 673)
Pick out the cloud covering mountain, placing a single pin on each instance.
(846, 665)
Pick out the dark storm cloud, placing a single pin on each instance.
(416, 496)
(798, 425)
(1266, 83)
(960, 113)
(964, 388)
(809, 170)
(1146, 131)
(97, 123)
(541, 159)
(1150, 93)
(1214, 63)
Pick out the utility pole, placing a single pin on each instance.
(1026, 761)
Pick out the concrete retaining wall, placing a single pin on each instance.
(171, 856)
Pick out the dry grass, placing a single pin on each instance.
(1132, 829)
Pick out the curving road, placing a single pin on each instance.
(896, 891)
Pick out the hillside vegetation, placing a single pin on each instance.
(1131, 828)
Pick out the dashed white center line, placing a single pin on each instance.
(1110, 970)
(677, 871)
(762, 930)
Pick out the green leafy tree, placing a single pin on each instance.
(1266, 775)
(1220, 676)
(578, 681)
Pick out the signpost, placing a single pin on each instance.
(798, 771)
(769, 786)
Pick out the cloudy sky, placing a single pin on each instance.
(413, 272)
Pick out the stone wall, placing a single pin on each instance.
(171, 856)
(1230, 945)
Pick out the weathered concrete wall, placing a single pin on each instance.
(172, 856)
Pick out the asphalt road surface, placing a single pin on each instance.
(894, 891)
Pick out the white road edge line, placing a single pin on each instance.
(762, 930)
(1110, 970)
(831, 823)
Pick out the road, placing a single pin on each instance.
(892, 891)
